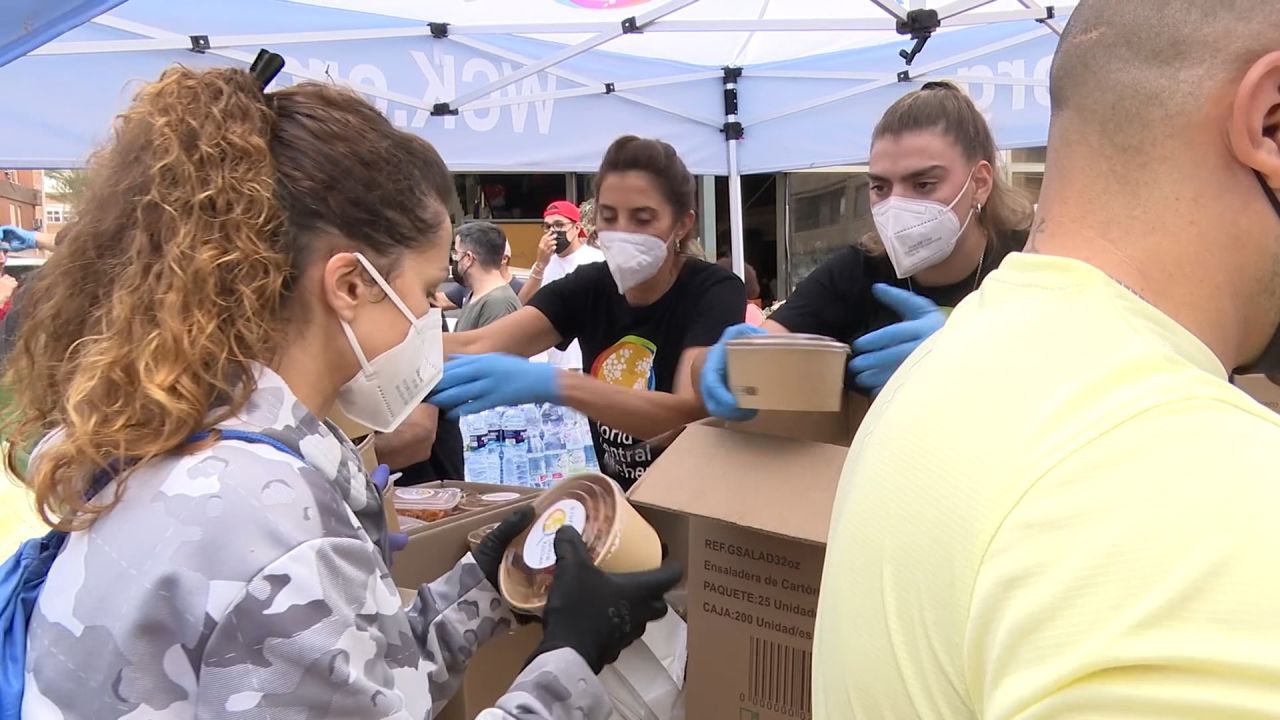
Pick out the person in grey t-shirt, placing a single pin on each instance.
(477, 263)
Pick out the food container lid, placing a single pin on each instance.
(789, 342)
(475, 536)
(409, 523)
(482, 501)
(587, 502)
(500, 497)
(415, 498)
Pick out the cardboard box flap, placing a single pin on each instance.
(775, 485)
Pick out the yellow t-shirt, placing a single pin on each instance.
(1057, 508)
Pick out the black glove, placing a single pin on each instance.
(595, 613)
(488, 553)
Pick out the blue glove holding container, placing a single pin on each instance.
(878, 354)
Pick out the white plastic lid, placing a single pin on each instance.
(790, 342)
(414, 498)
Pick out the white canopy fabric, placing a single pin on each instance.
(737, 86)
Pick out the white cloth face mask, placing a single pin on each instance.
(632, 258)
(387, 388)
(918, 234)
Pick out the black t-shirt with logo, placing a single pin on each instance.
(639, 347)
(835, 300)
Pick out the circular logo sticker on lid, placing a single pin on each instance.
(539, 547)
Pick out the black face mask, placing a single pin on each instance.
(1269, 361)
(562, 241)
(455, 271)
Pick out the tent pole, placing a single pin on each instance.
(707, 215)
(732, 136)
(736, 250)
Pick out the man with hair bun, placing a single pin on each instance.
(1059, 506)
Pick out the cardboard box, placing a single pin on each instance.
(432, 551)
(436, 547)
(758, 500)
(1259, 388)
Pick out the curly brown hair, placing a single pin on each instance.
(176, 278)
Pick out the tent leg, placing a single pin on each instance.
(736, 251)
(733, 133)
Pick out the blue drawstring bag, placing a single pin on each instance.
(23, 575)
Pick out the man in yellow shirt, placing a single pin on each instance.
(1059, 507)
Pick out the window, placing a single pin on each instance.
(1029, 183)
(53, 216)
(11, 175)
(1028, 155)
(512, 197)
(820, 210)
(829, 211)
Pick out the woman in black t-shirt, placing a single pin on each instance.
(637, 316)
(944, 218)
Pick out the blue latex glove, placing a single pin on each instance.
(14, 238)
(713, 383)
(878, 354)
(380, 476)
(476, 383)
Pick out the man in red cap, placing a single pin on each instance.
(562, 249)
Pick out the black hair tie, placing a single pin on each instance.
(266, 67)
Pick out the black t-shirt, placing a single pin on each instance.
(836, 300)
(639, 347)
(446, 461)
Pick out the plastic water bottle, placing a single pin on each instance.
(515, 448)
(588, 445)
(553, 443)
(493, 445)
(574, 424)
(537, 453)
(476, 437)
(589, 452)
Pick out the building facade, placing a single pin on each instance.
(22, 198)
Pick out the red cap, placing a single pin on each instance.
(563, 208)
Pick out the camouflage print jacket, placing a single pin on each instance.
(237, 582)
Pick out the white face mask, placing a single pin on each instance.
(388, 387)
(918, 234)
(632, 257)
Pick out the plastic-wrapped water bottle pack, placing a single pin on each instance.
(527, 445)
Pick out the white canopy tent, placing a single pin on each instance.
(738, 86)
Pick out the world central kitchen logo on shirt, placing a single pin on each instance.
(627, 363)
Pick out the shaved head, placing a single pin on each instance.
(1133, 68)
(1164, 157)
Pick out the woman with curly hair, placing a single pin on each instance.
(244, 264)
